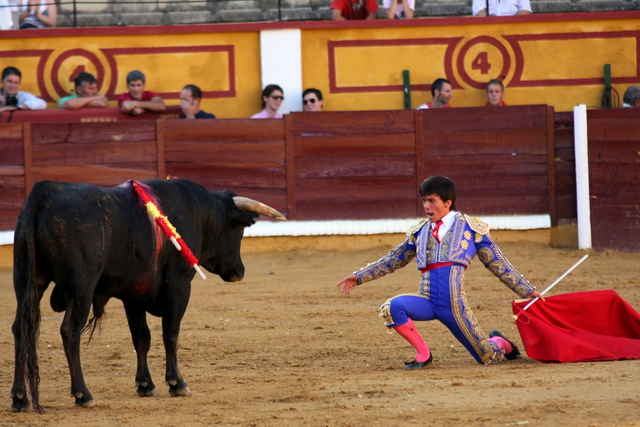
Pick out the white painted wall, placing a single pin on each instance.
(281, 64)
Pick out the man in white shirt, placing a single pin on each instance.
(501, 7)
(10, 96)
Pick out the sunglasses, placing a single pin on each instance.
(281, 98)
(306, 101)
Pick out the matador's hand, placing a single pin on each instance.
(347, 283)
(536, 294)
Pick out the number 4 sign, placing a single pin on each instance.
(482, 59)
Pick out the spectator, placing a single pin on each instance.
(399, 9)
(190, 99)
(86, 95)
(312, 100)
(441, 92)
(138, 100)
(10, 96)
(350, 10)
(38, 14)
(501, 7)
(495, 93)
(632, 97)
(272, 97)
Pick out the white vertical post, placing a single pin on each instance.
(582, 176)
(281, 64)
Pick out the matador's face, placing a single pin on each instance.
(435, 208)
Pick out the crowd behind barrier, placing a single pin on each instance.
(71, 13)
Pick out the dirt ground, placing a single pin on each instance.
(284, 347)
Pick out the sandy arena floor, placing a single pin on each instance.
(284, 347)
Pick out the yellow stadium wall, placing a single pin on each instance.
(554, 59)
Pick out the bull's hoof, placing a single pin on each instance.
(20, 403)
(147, 391)
(84, 399)
(179, 389)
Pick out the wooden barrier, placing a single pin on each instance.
(12, 167)
(353, 165)
(94, 115)
(245, 155)
(99, 153)
(614, 178)
(334, 165)
(499, 159)
(565, 166)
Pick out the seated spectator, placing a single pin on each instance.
(86, 95)
(190, 99)
(399, 9)
(138, 100)
(38, 14)
(312, 100)
(495, 93)
(501, 7)
(350, 10)
(632, 97)
(272, 97)
(441, 92)
(10, 96)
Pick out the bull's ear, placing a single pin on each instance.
(243, 218)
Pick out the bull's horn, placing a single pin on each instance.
(250, 205)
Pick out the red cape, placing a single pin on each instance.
(579, 327)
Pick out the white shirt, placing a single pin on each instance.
(31, 101)
(386, 4)
(447, 223)
(501, 7)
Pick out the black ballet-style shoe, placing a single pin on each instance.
(418, 365)
(514, 354)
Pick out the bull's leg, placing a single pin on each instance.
(170, 332)
(20, 401)
(75, 318)
(141, 337)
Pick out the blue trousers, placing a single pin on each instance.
(442, 297)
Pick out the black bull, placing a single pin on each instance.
(97, 243)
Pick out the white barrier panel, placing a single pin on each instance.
(582, 176)
(363, 227)
(381, 226)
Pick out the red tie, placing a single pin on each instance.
(435, 230)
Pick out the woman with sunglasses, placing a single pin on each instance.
(312, 100)
(272, 97)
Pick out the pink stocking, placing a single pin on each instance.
(408, 332)
(502, 344)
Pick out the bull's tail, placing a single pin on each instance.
(28, 315)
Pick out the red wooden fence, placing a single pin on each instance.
(351, 165)
(614, 178)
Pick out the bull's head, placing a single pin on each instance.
(227, 262)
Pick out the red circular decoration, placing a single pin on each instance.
(506, 60)
(55, 69)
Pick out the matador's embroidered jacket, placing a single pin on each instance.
(467, 237)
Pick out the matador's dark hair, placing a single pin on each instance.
(441, 186)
